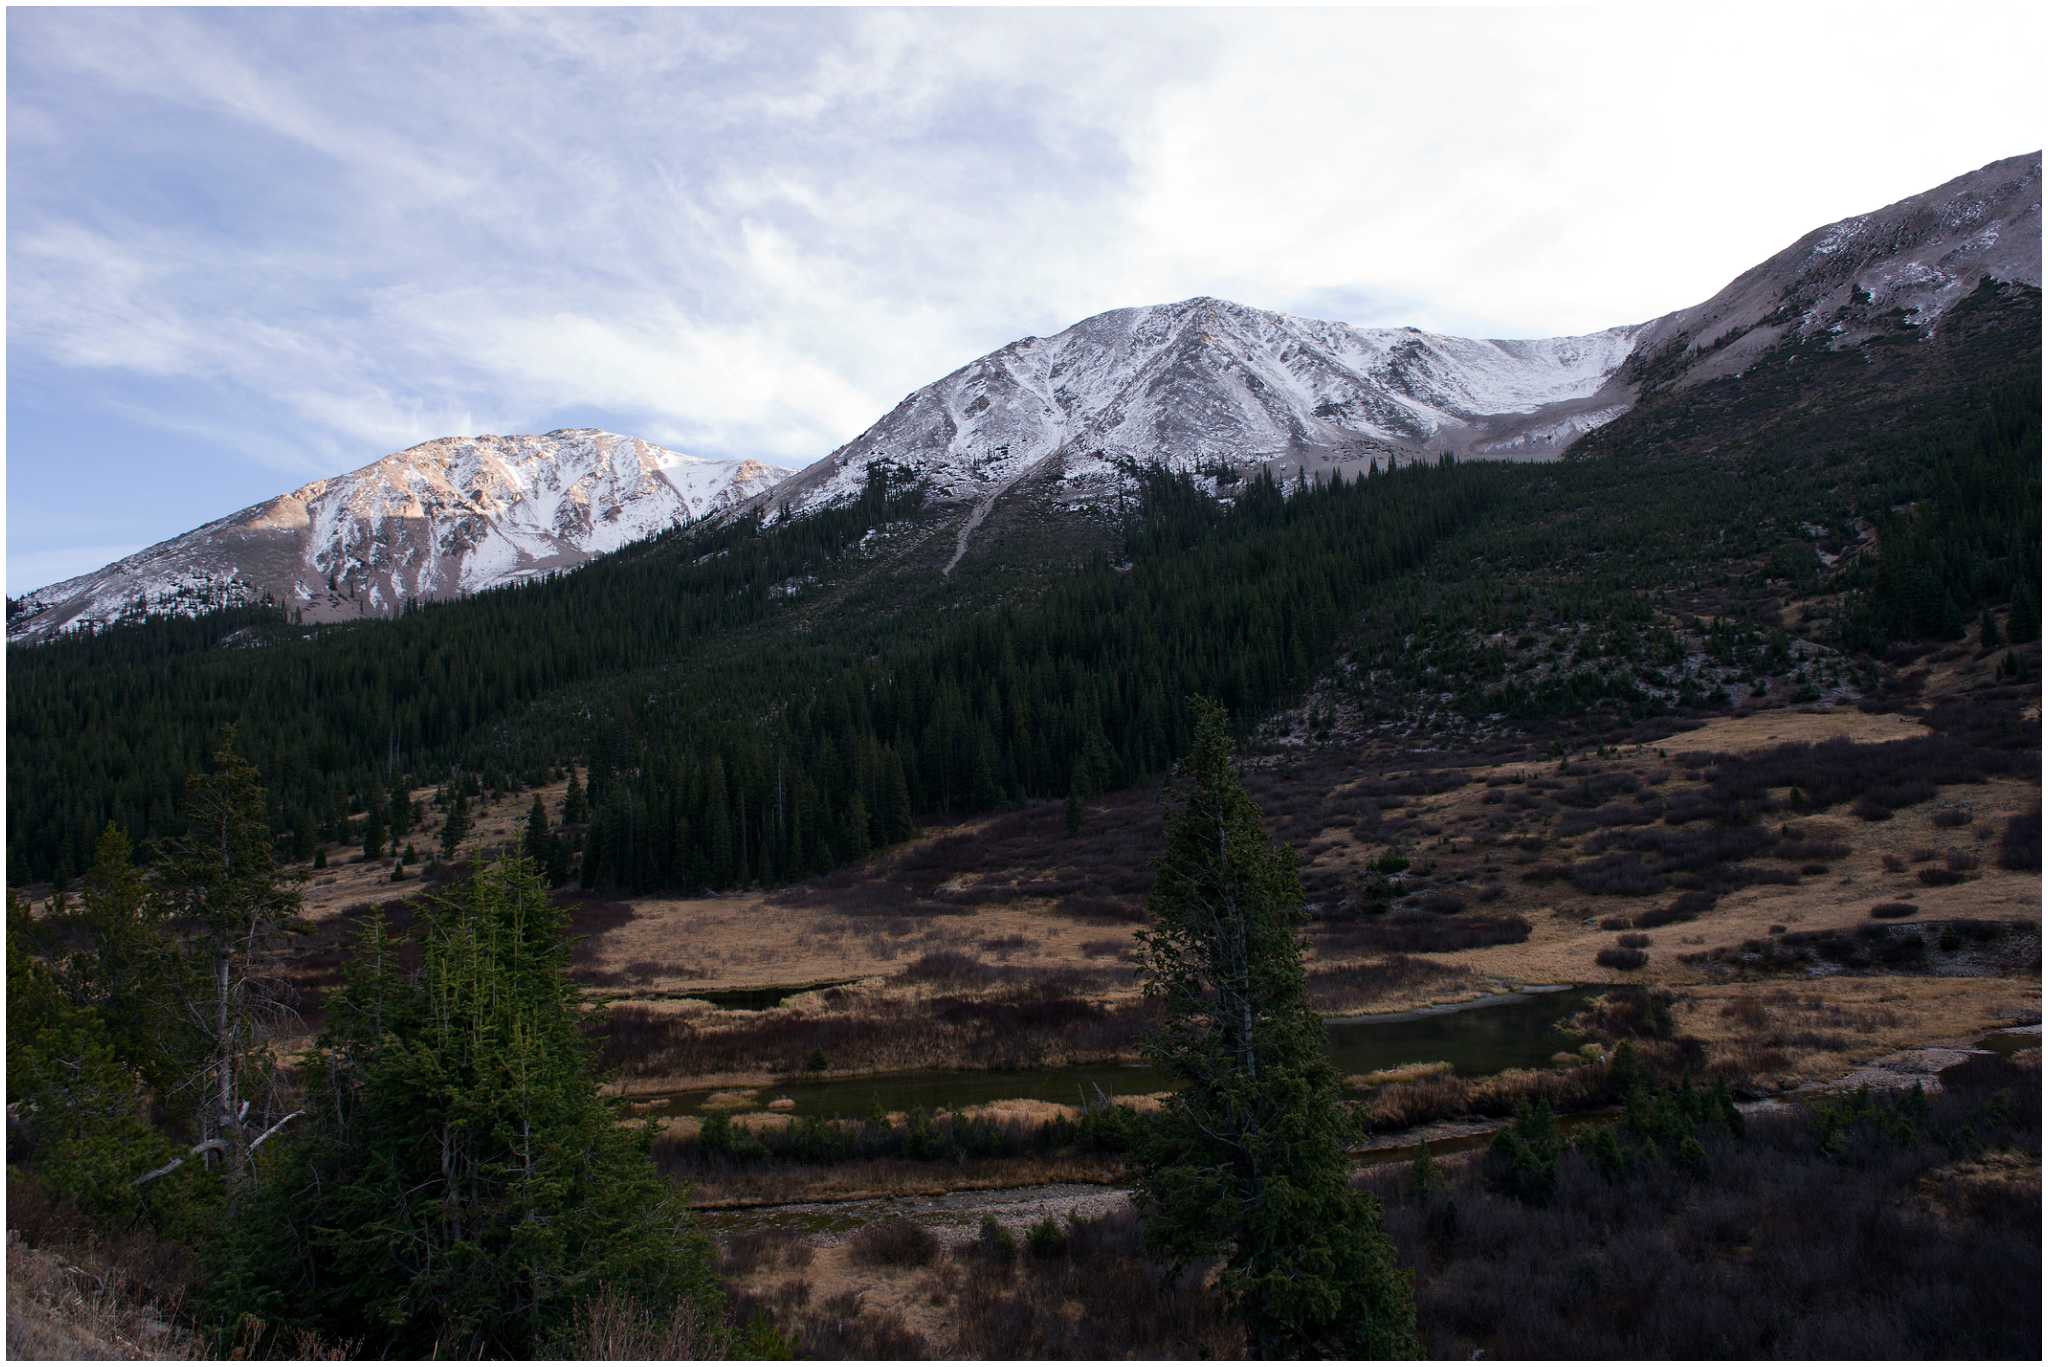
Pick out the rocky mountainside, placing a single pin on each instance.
(1900, 267)
(444, 518)
(1207, 382)
(1202, 384)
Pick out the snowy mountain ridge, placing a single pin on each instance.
(1206, 380)
(1195, 384)
(444, 518)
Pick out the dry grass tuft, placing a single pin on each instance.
(733, 1100)
(1406, 1072)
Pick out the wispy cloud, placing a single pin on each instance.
(312, 236)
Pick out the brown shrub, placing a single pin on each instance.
(894, 1243)
(1402, 1105)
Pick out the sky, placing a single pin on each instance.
(249, 248)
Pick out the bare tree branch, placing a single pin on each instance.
(203, 1146)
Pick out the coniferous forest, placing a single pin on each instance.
(734, 738)
(719, 752)
(397, 1129)
(1479, 798)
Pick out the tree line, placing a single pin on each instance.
(437, 1175)
(723, 748)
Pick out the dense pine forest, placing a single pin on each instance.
(733, 737)
(756, 755)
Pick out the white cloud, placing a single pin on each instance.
(753, 232)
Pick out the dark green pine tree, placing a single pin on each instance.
(304, 837)
(1247, 1161)
(233, 908)
(373, 829)
(536, 842)
(587, 867)
(462, 1187)
(78, 1111)
(897, 822)
(456, 826)
(127, 964)
(556, 867)
(856, 844)
(718, 826)
(575, 807)
(986, 791)
(400, 803)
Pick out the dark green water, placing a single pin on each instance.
(2010, 1042)
(1515, 1031)
(759, 998)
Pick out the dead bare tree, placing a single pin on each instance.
(236, 906)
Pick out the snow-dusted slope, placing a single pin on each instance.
(1195, 383)
(1907, 263)
(1206, 380)
(444, 518)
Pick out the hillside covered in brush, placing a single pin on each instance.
(764, 698)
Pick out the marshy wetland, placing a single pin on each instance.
(948, 1035)
(1472, 1038)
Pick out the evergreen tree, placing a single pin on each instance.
(587, 866)
(400, 805)
(462, 1186)
(897, 821)
(233, 907)
(124, 966)
(455, 827)
(536, 841)
(304, 837)
(718, 821)
(1247, 1161)
(77, 1110)
(556, 868)
(373, 830)
(575, 809)
(857, 844)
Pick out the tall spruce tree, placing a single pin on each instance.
(373, 829)
(536, 841)
(400, 804)
(125, 963)
(234, 906)
(1247, 1160)
(78, 1110)
(455, 826)
(461, 1186)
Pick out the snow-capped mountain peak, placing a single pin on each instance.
(1207, 380)
(444, 518)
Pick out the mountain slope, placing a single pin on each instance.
(444, 518)
(1207, 382)
(1043, 424)
(737, 688)
(1898, 268)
